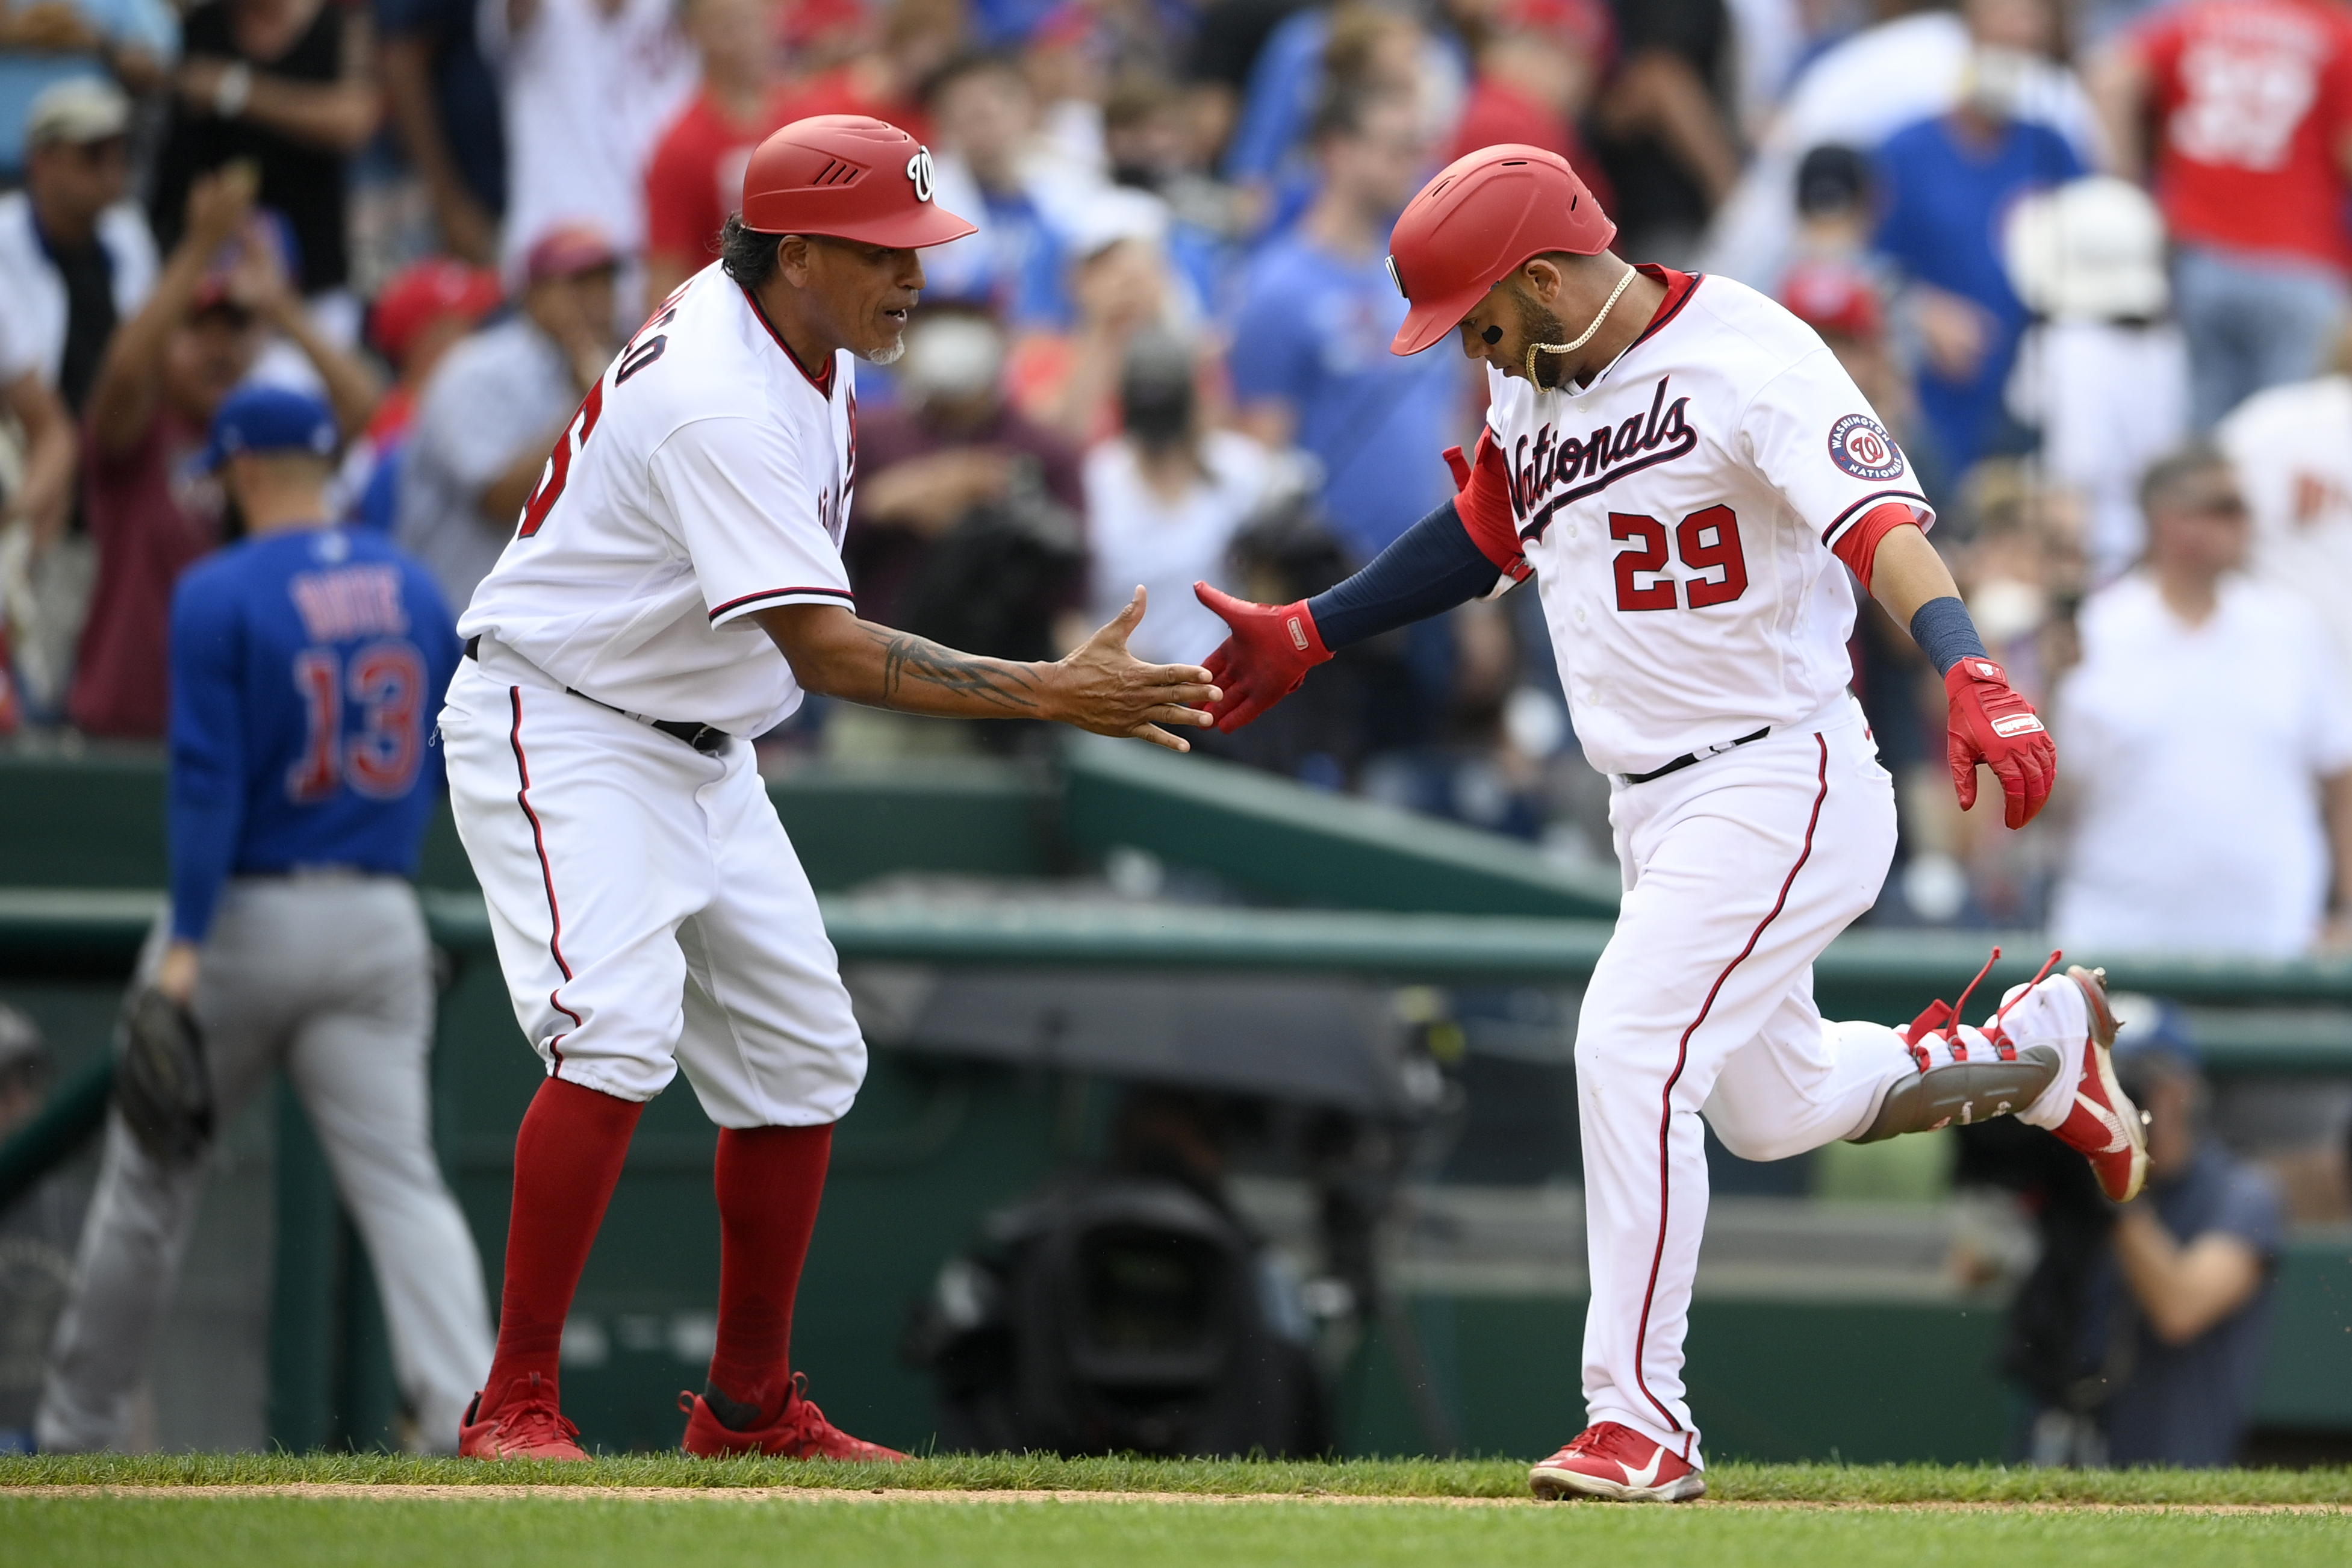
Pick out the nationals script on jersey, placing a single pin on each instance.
(706, 476)
(1679, 512)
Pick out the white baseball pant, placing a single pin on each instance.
(649, 912)
(330, 975)
(1738, 870)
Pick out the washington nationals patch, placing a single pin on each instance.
(1861, 446)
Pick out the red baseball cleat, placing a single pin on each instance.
(2105, 1126)
(801, 1432)
(526, 1425)
(1618, 1464)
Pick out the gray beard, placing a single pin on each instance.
(889, 355)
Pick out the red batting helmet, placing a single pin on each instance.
(850, 177)
(1473, 225)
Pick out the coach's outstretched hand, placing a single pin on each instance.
(1270, 651)
(1105, 689)
(1992, 724)
(1099, 687)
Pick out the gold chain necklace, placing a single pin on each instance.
(1606, 306)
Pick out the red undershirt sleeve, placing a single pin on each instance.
(1483, 501)
(1858, 545)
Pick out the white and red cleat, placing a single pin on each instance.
(1618, 1464)
(2105, 1126)
(799, 1432)
(526, 1425)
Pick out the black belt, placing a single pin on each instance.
(1687, 758)
(707, 739)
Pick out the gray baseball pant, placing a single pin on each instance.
(330, 976)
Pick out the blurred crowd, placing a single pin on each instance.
(2088, 258)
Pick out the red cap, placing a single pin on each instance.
(1832, 296)
(423, 293)
(850, 177)
(1473, 226)
(568, 250)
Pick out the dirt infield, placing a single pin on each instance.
(495, 1493)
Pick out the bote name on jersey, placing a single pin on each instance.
(1600, 459)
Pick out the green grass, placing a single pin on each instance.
(1349, 1477)
(260, 1533)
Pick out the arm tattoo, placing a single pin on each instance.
(995, 682)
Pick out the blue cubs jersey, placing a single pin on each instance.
(306, 668)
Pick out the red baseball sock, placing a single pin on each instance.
(567, 1159)
(769, 1180)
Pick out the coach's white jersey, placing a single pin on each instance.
(706, 476)
(1679, 512)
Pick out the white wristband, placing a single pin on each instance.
(235, 88)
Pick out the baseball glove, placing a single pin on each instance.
(160, 1082)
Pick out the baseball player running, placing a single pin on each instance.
(302, 662)
(1686, 472)
(674, 586)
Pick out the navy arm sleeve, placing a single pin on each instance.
(1432, 566)
(207, 779)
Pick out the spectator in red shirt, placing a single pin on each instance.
(2251, 106)
(695, 178)
(1536, 70)
(150, 413)
(917, 37)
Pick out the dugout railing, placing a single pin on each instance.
(937, 1141)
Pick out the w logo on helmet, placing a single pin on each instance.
(918, 169)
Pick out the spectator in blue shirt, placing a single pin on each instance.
(306, 663)
(1945, 186)
(1310, 361)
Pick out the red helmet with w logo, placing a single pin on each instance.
(850, 177)
(1485, 215)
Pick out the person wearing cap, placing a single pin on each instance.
(44, 43)
(674, 586)
(418, 318)
(486, 413)
(304, 661)
(1689, 476)
(2176, 1314)
(2254, 859)
(75, 253)
(2103, 373)
(167, 371)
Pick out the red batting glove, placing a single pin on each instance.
(1993, 725)
(1270, 651)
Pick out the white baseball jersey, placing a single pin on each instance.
(1679, 514)
(706, 476)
